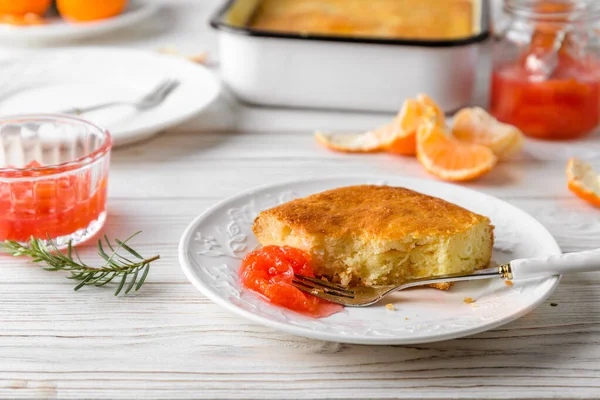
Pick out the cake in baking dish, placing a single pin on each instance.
(377, 235)
(391, 19)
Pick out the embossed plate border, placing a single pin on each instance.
(212, 246)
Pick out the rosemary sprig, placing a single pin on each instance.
(115, 264)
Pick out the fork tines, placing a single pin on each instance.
(163, 89)
(315, 286)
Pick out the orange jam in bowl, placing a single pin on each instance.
(53, 178)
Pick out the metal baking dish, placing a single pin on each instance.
(351, 73)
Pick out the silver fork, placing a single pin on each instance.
(150, 100)
(364, 296)
(524, 268)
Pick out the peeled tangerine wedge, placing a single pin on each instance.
(397, 137)
(450, 159)
(475, 125)
(583, 181)
(407, 122)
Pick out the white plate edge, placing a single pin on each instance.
(84, 30)
(131, 136)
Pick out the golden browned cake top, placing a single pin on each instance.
(417, 19)
(376, 211)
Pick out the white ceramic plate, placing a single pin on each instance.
(50, 81)
(57, 29)
(212, 247)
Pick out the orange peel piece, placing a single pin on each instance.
(583, 181)
(368, 142)
(398, 137)
(403, 130)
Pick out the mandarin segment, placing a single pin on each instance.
(405, 145)
(449, 159)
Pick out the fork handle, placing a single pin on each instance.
(583, 261)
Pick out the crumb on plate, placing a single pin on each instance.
(469, 300)
(508, 283)
(168, 50)
(390, 306)
(199, 58)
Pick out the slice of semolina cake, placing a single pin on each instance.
(379, 235)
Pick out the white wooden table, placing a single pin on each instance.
(169, 341)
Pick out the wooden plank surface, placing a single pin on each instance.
(168, 341)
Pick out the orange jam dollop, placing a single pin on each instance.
(269, 271)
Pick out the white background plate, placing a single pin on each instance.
(58, 29)
(212, 247)
(50, 81)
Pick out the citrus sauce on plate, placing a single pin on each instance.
(269, 271)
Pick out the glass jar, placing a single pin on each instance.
(546, 68)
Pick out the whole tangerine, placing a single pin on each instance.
(22, 7)
(85, 10)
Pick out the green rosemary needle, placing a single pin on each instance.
(115, 264)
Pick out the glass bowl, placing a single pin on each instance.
(53, 178)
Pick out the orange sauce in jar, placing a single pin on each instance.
(551, 90)
(565, 106)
